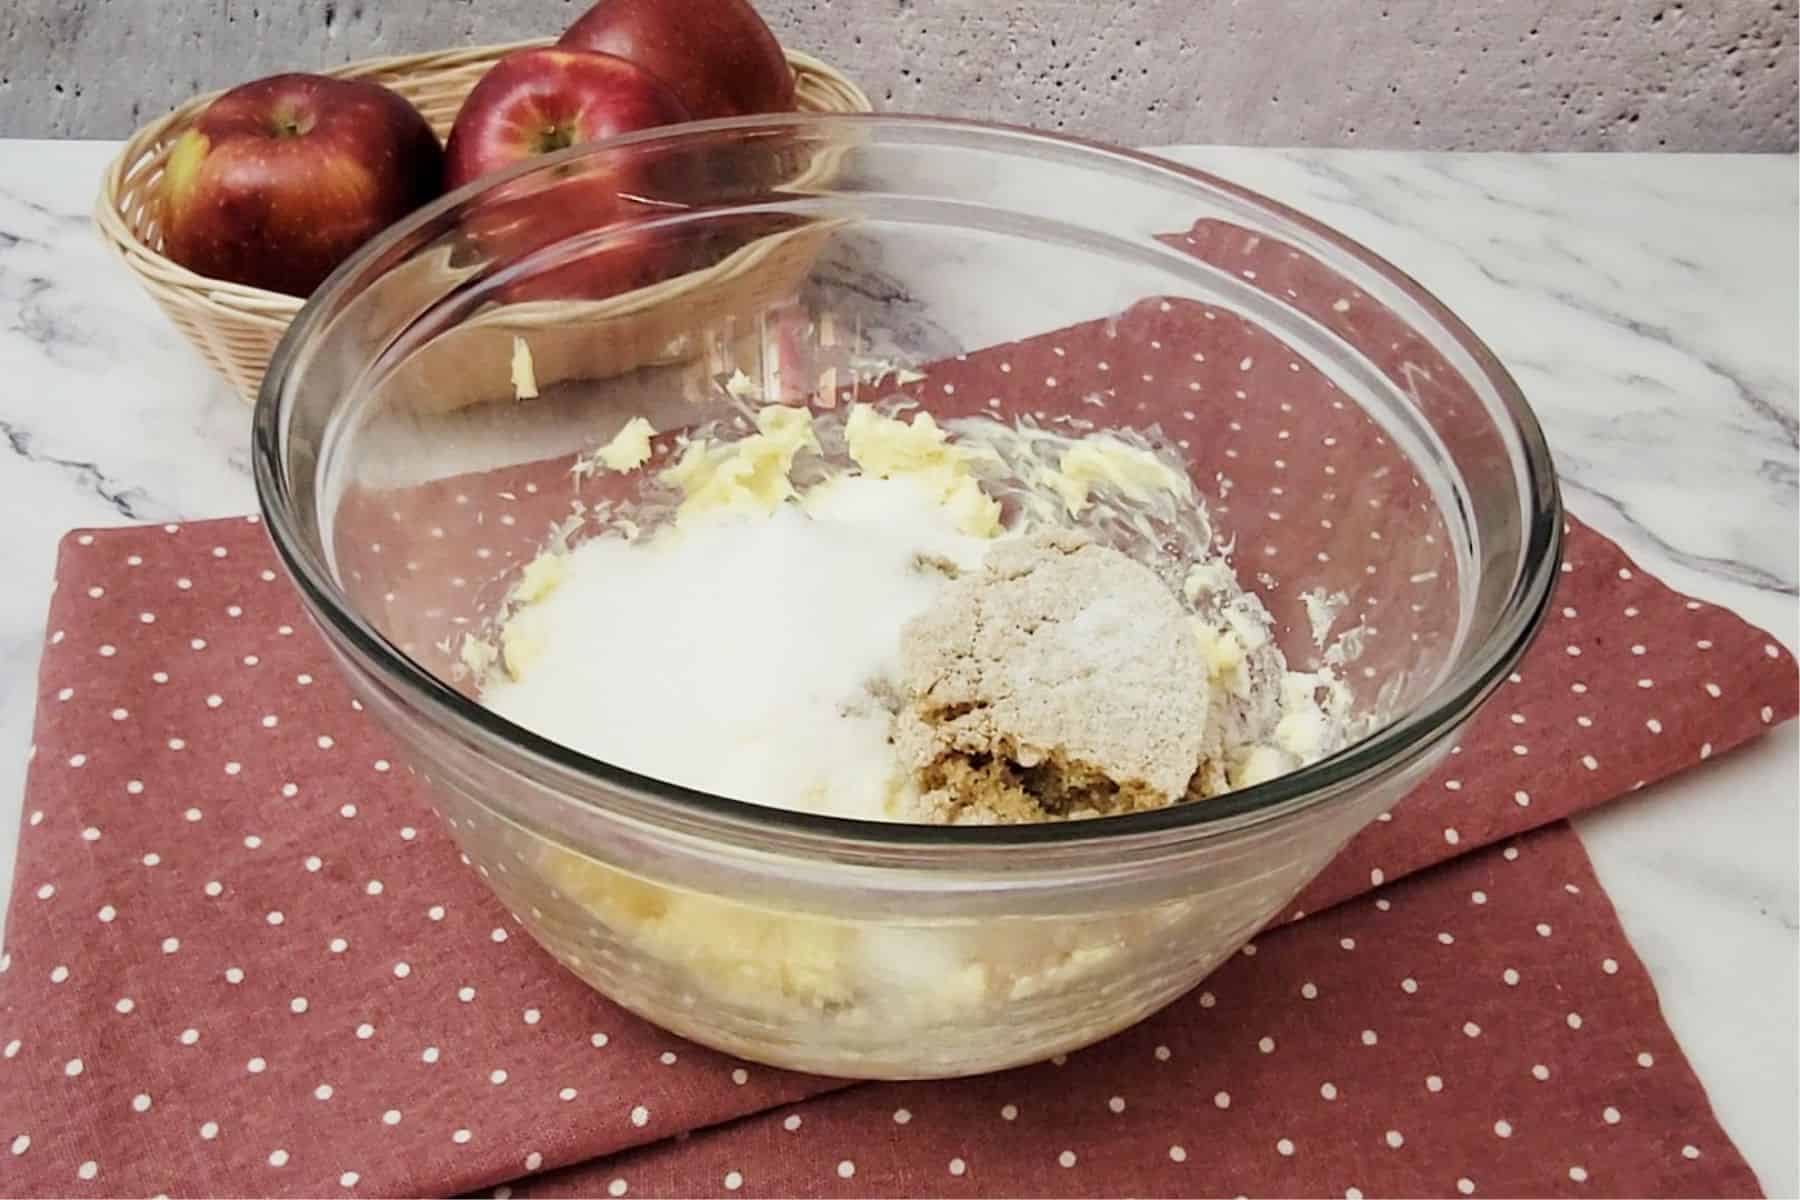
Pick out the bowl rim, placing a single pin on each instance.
(1484, 664)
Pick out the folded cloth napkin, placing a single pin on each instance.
(241, 957)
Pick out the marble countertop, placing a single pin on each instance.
(1646, 303)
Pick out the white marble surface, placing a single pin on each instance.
(1647, 304)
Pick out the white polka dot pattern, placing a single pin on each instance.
(1324, 1113)
(274, 891)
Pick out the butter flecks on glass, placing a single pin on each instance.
(748, 476)
(524, 371)
(1099, 459)
(920, 452)
(628, 450)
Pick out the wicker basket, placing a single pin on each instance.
(235, 328)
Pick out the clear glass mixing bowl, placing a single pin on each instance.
(1351, 436)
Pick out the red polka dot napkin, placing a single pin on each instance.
(242, 958)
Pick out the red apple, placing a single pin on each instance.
(535, 102)
(718, 56)
(280, 179)
(539, 101)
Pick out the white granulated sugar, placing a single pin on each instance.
(734, 657)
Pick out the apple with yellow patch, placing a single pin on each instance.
(279, 180)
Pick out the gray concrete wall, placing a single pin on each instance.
(1437, 74)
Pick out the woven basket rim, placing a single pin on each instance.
(245, 303)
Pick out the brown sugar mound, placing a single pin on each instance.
(1062, 680)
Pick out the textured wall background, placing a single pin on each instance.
(1438, 74)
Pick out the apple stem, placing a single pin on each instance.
(292, 124)
(555, 137)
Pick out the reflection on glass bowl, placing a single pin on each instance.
(1350, 436)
